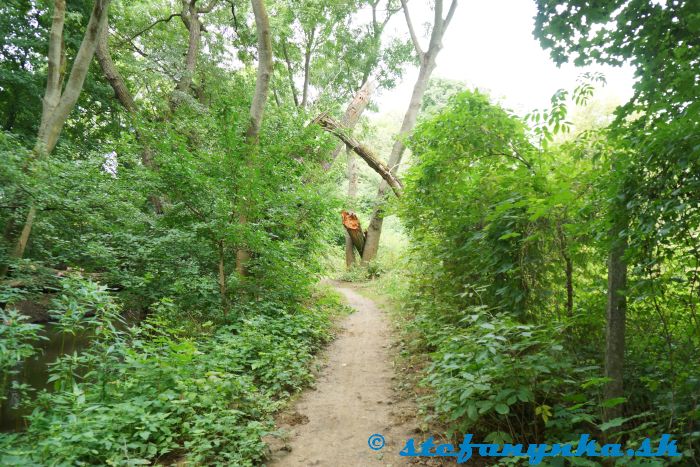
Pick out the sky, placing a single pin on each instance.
(489, 45)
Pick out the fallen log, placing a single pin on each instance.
(354, 229)
(329, 124)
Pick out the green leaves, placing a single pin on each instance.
(512, 379)
(18, 341)
(209, 395)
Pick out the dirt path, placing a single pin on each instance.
(353, 399)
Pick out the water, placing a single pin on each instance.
(34, 371)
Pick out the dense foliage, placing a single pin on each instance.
(509, 242)
(164, 389)
(168, 193)
(161, 181)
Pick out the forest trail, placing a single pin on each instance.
(353, 399)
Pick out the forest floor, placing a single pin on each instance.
(354, 397)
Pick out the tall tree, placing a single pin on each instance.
(427, 61)
(660, 40)
(59, 100)
(350, 119)
(615, 312)
(257, 107)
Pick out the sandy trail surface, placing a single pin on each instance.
(353, 399)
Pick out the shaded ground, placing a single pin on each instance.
(353, 399)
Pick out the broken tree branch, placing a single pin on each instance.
(352, 115)
(329, 124)
(154, 24)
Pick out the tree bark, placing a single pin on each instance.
(615, 314)
(352, 115)
(257, 107)
(58, 115)
(23, 239)
(569, 268)
(194, 26)
(110, 72)
(54, 77)
(307, 66)
(427, 65)
(569, 286)
(290, 73)
(264, 73)
(223, 289)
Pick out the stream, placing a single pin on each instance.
(34, 372)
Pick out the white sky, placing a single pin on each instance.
(489, 45)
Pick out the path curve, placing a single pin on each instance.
(353, 399)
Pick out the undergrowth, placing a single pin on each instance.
(171, 389)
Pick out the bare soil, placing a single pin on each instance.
(354, 398)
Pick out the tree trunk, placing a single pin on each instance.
(352, 194)
(264, 73)
(290, 73)
(57, 105)
(569, 286)
(354, 230)
(307, 67)
(223, 289)
(615, 311)
(569, 268)
(427, 65)
(55, 74)
(374, 230)
(18, 252)
(110, 72)
(59, 114)
(257, 108)
(190, 12)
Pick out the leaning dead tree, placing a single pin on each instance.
(332, 126)
(350, 220)
(352, 115)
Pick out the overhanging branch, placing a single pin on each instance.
(329, 124)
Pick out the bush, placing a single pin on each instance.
(504, 379)
(157, 392)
